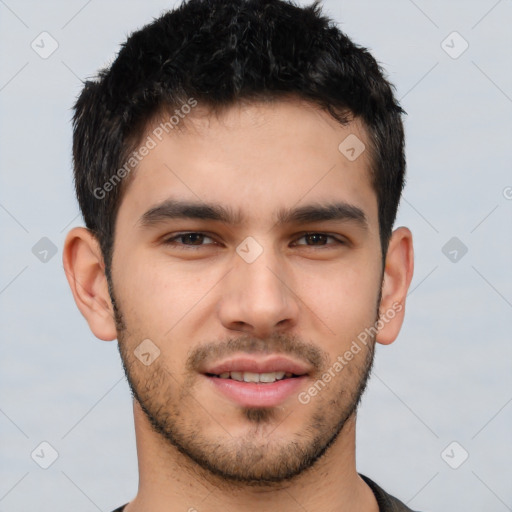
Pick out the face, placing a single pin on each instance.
(246, 263)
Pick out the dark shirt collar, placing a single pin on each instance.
(386, 502)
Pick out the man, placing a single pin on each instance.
(239, 168)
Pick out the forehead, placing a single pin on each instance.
(255, 159)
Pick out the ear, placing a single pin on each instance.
(85, 272)
(397, 278)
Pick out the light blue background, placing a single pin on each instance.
(447, 378)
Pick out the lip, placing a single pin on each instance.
(252, 364)
(252, 394)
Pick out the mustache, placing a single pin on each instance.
(276, 344)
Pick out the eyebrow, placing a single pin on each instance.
(179, 209)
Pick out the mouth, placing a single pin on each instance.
(262, 378)
(253, 382)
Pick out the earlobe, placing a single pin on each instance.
(85, 272)
(398, 273)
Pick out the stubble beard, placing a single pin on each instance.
(261, 457)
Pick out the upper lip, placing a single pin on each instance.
(254, 365)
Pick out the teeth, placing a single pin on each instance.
(251, 377)
(255, 377)
(268, 377)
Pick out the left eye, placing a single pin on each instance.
(317, 239)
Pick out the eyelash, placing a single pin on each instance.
(172, 240)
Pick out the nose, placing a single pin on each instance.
(258, 298)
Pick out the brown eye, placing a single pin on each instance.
(192, 239)
(317, 239)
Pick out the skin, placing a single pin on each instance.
(305, 297)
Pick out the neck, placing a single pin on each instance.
(169, 481)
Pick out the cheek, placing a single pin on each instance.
(344, 298)
(158, 294)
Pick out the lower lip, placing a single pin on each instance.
(253, 394)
